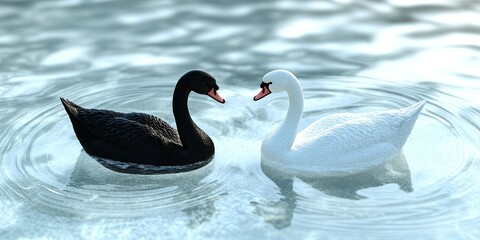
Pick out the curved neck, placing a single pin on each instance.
(286, 133)
(190, 134)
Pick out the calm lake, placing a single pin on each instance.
(350, 56)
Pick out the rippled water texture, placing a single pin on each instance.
(351, 56)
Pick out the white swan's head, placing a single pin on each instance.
(274, 82)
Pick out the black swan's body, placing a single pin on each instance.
(140, 138)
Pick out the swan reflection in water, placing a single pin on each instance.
(280, 213)
(88, 172)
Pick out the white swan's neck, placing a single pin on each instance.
(282, 140)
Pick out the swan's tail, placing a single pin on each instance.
(410, 115)
(73, 110)
(70, 107)
(414, 110)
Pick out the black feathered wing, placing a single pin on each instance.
(128, 137)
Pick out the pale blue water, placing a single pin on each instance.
(351, 56)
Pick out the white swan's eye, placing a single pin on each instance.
(264, 84)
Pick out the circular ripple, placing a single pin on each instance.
(434, 184)
(44, 167)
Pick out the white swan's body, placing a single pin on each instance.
(338, 144)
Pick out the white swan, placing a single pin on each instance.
(335, 145)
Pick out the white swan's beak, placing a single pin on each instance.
(265, 91)
(213, 94)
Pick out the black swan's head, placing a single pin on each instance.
(202, 83)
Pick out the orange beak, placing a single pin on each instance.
(213, 94)
(264, 92)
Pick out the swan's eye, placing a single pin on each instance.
(264, 84)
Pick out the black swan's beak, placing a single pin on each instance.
(213, 94)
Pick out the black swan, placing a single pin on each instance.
(142, 139)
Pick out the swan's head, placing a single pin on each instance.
(202, 83)
(274, 82)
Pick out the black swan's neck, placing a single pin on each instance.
(190, 134)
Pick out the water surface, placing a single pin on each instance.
(350, 56)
